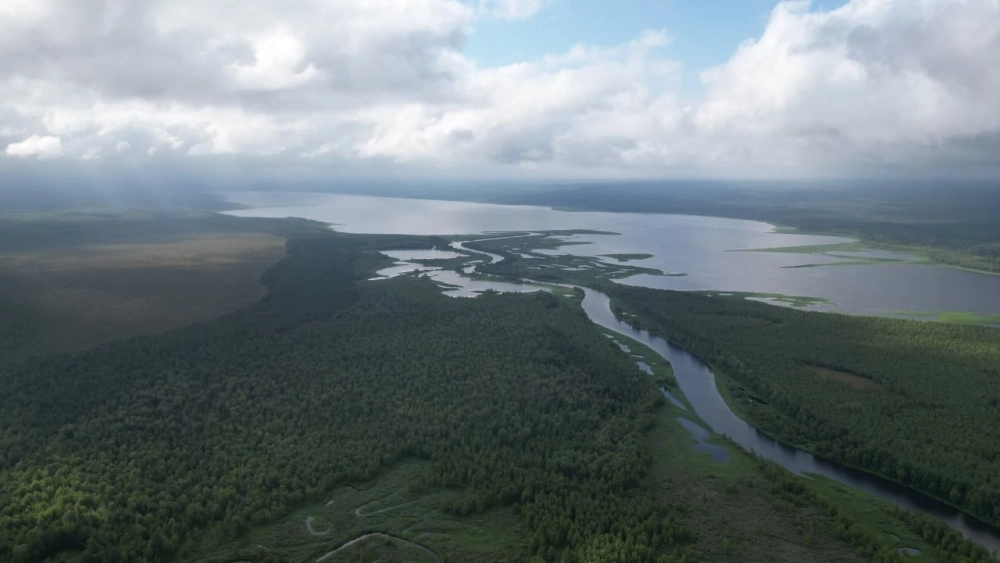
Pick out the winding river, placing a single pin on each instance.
(697, 382)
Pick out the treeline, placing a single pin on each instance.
(918, 403)
(139, 450)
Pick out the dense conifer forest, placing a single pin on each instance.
(916, 402)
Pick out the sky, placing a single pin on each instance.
(578, 89)
(703, 34)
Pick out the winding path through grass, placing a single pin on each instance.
(434, 555)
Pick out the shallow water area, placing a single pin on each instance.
(701, 436)
(468, 287)
(459, 285)
(673, 400)
(399, 269)
(404, 266)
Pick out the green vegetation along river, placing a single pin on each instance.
(698, 385)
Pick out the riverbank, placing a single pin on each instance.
(747, 510)
(890, 528)
(754, 405)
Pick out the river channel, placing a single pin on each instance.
(697, 382)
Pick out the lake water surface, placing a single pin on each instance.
(701, 247)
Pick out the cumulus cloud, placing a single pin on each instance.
(875, 83)
(875, 79)
(526, 113)
(36, 146)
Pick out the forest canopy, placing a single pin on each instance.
(913, 401)
(132, 450)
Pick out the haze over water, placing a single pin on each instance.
(701, 247)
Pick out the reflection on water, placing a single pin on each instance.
(468, 287)
(399, 269)
(697, 382)
(697, 246)
(463, 286)
(405, 267)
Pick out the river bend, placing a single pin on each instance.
(697, 382)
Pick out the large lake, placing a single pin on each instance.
(701, 247)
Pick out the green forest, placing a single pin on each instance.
(916, 402)
(132, 450)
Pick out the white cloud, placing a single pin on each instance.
(512, 9)
(277, 65)
(524, 113)
(36, 146)
(882, 79)
(24, 12)
(895, 83)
